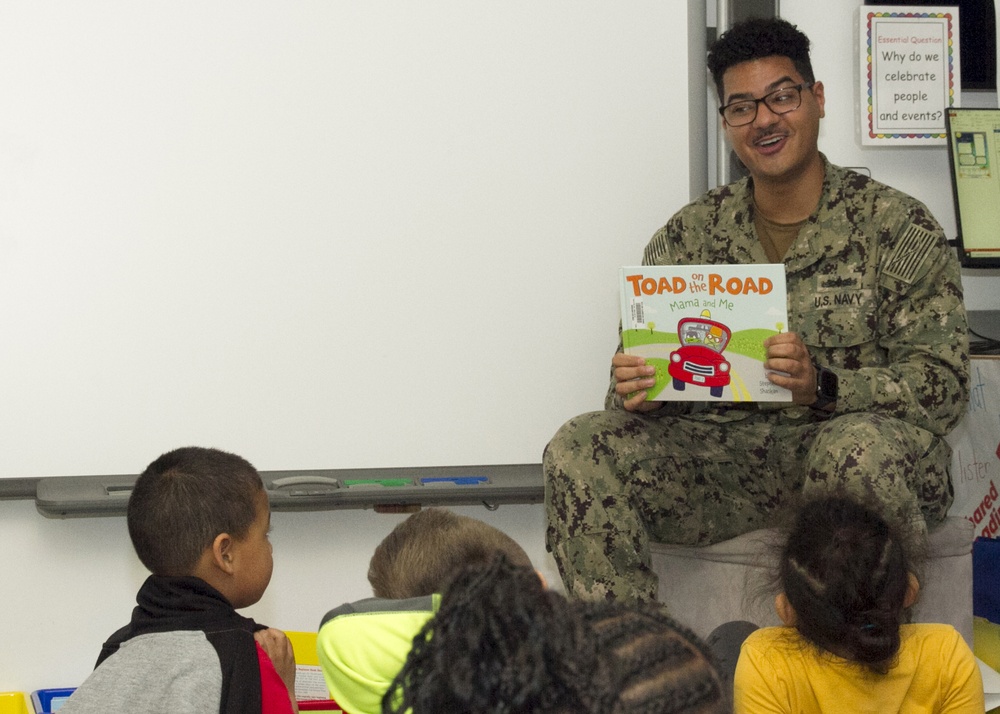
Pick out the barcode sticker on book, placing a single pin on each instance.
(637, 313)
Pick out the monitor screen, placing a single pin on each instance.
(974, 142)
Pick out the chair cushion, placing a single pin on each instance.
(709, 585)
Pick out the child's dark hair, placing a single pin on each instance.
(845, 571)
(758, 38)
(490, 649)
(502, 644)
(183, 500)
(656, 665)
(424, 552)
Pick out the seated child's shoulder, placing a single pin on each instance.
(362, 645)
(929, 629)
(378, 607)
(770, 636)
(375, 618)
(929, 634)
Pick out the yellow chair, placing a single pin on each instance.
(310, 688)
(14, 703)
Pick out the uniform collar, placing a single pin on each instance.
(813, 241)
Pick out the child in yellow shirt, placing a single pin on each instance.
(847, 579)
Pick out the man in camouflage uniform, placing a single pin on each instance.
(874, 300)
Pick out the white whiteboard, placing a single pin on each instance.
(322, 233)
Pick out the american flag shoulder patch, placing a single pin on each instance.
(656, 250)
(910, 252)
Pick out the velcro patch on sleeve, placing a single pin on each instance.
(910, 252)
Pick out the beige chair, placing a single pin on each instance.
(704, 587)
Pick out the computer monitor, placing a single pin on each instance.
(974, 142)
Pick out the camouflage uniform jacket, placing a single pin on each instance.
(874, 291)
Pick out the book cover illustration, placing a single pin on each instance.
(703, 328)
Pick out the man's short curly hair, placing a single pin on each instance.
(757, 38)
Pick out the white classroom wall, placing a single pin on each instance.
(494, 136)
(277, 226)
(66, 584)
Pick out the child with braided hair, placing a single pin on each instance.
(847, 580)
(502, 644)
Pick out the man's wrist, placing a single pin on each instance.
(827, 388)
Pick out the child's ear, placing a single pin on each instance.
(222, 553)
(786, 613)
(912, 590)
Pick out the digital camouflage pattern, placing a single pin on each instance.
(875, 293)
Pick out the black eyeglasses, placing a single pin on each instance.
(780, 101)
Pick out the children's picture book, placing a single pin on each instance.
(703, 327)
(310, 686)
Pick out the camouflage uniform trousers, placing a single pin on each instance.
(614, 481)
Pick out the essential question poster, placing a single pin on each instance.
(910, 73)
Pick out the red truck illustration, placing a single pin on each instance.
(699, 359)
